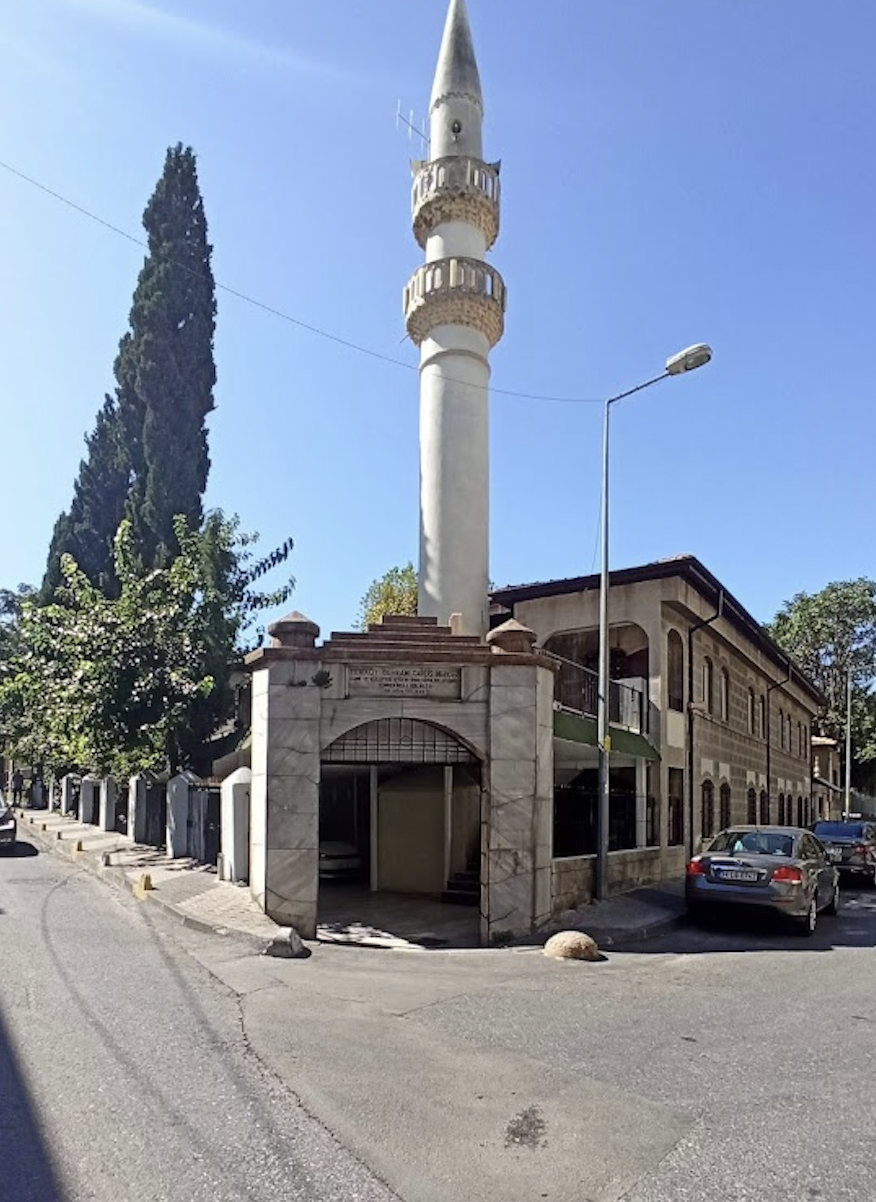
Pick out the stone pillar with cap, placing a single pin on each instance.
(284, 813)
(516, 846)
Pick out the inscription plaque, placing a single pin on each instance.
(404, 680)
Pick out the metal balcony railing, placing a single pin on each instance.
(577, 688)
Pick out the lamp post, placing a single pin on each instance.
(684, 361)
(847, 806)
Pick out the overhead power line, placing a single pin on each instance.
(319, 331)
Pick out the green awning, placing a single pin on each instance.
(577, 728)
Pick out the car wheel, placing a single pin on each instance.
(808, 924)
(833, 905)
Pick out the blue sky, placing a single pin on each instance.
(673, 172)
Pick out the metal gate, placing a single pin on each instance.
(121, 822)
(156, 814)
(212, 825)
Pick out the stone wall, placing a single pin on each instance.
(573, 880)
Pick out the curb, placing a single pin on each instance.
(90, 861)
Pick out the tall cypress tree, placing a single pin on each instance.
(148, 457)
(99, 498)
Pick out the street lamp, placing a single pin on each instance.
(684, 361)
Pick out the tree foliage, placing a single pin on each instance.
(832, 635)
(393, 593)
(147, 457)
(121, 684)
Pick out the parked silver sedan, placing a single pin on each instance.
(778, 868)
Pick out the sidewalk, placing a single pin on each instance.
(190, 891)
(194, 895)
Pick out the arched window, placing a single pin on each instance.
(764, 807)
(708, 809)
(781, 809)
(752, 808)
(751, 711)
(724, 805)
(763, 726)
(781, 728)
(724, 695)
(708, 686)
(675, 671)
(801, 817)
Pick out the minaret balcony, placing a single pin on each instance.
(458, 292)
(456, 189)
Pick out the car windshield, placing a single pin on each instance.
(838, 830)
(759, 843)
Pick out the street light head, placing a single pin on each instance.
(689, 359)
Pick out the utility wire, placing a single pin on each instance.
(266, 308)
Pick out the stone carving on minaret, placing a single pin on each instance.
(454, 307)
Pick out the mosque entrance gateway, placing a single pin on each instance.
(399, 834)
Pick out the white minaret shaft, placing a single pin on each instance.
(455, 307)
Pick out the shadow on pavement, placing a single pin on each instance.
(26, 1170)
(744, 930)
(21, 851)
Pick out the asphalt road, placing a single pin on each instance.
(125, 1072)
(143, 1062)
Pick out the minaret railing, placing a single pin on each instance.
(456, 188)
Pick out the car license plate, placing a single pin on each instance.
(738, 874)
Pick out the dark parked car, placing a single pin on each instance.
(853, 845)
(7, 826)
(778, 868)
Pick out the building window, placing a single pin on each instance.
(751, 818)
(675, 816)
(806, 748)
(790, 734)
(781, 728)
(724, 694)
(751, 711)
(708, 686)
(724, 806)
(800, 740)
(708, 809)
(675, 670)
(801, 817)
(781, 809)
(763, 725)
(764, 807)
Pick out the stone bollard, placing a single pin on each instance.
(137, 809)
(234, 822)
(109, 791)
(178, 815)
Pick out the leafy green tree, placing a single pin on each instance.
(832, 635)
(120, 684)
(393, 593)
(148, 457)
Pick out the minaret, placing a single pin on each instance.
(455, 311)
